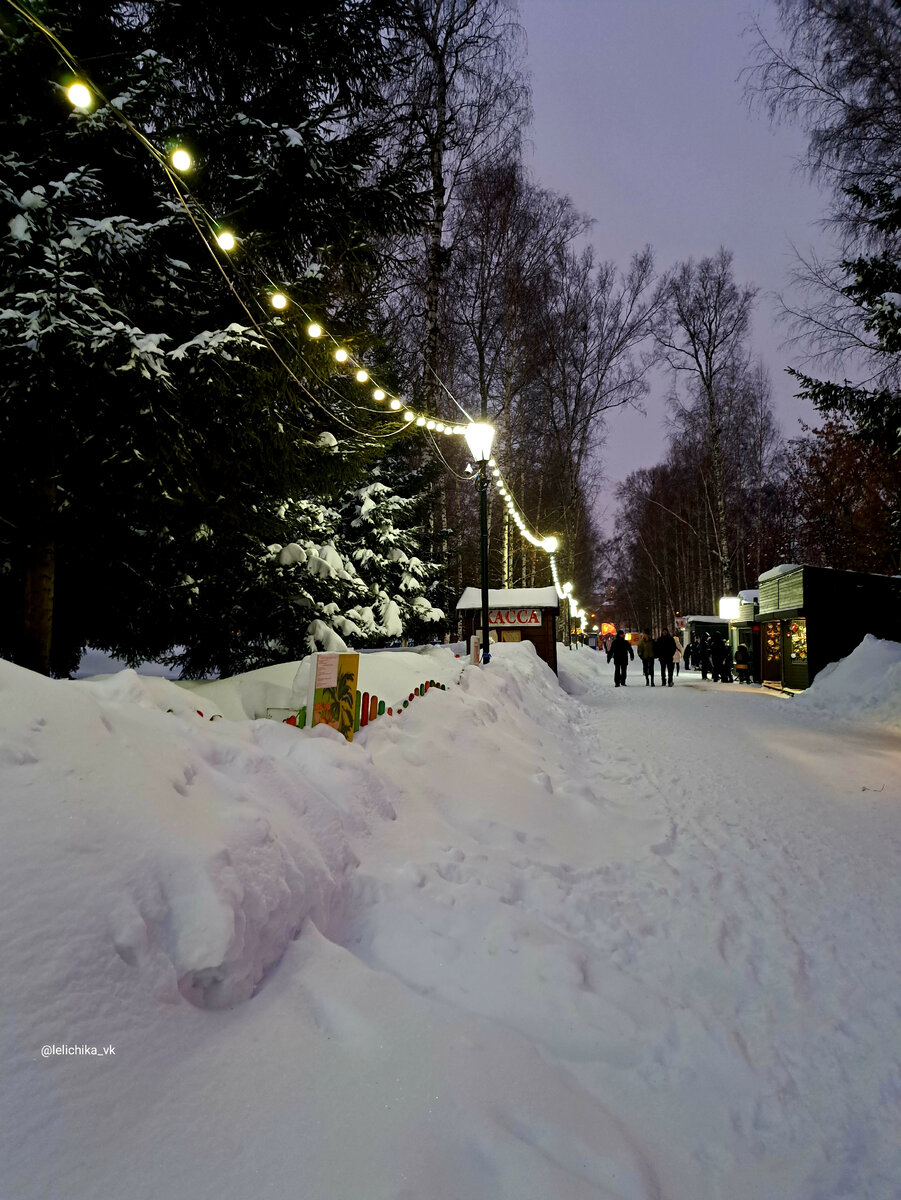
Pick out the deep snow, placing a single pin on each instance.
(528, 940)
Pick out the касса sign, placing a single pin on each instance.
(510, 618)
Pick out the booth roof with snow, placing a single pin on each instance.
(515, 615)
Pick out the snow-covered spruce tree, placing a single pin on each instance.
(149, 435)
(384, 530)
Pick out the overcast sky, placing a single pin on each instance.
(640, 117)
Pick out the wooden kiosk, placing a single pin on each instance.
(515, 615)
(813, 616)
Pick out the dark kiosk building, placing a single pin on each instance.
(812, 616)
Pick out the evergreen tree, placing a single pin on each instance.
(158, 420)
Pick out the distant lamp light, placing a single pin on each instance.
(279, 300)
(79, 96)
(314, 330)
(479, 438)
(550, 544)
(420, 420)
(395, 404)
(408, 416)
(362, 376)
(729, 606)
(378, 394)
(181, 159)
(341, 354)
(226, 240)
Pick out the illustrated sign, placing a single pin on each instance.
(509, 618)
(333, 691)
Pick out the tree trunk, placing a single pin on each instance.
(40, 581)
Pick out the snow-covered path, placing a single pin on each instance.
(706, 931)
(577, 943)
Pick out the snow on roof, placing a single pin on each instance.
(782, 569)
(708, 617)
(751, 596)
(543, 597)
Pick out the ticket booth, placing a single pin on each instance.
(514, 615)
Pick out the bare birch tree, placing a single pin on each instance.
(701, 332)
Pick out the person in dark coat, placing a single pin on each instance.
(646, 654)
(702, 655)
(726, 669)
(621, 653)
(665, 647)
(743, 663)
(717, 656)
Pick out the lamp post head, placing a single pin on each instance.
(480, 438)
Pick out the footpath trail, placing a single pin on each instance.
(695, 907)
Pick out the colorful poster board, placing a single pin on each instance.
(333, 692)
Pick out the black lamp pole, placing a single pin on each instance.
(483, 518)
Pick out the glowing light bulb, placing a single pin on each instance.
(279, 300)
(420, 420)
(430, 424)
(314, 330)
(181, 160)
(79, 95)
(550, 544)
(439, 427)
(448, 430)
(408, 416)
(378, 394)
(226, 240)
(341, 354)
(396, 404)
(362, 376)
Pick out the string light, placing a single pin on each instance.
(79, 96)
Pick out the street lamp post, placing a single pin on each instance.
(479, 439)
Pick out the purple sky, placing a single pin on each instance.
(640, 118)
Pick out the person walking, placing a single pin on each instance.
(665, 648)
(621, 653)
(646, 654)
(677, 657)
(743, 663)
(686, 657)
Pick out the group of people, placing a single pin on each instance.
(665, 649)
(710, 655)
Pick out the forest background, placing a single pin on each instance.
(186, 475)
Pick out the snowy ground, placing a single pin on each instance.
(525, 942)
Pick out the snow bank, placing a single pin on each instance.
(193, 850)
(864, 686)
(535, 938)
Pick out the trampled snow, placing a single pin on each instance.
(531, 939)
